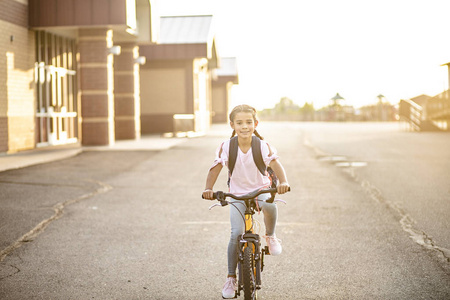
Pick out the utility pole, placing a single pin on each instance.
(448, 68)
(380, 107)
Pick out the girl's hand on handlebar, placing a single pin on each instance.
(283, 188)
(208, 194)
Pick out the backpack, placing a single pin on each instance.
(257, 158)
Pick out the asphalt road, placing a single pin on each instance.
(367, 218)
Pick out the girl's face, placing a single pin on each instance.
(243, 124)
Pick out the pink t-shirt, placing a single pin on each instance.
(246, 177)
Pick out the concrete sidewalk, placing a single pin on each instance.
(45, 155)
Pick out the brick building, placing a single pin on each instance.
(225, 77)
(176, 80)
(70, 72)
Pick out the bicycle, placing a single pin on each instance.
(251, 256)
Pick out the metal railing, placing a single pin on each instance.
(412, 113)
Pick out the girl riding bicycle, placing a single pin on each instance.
(246, 178)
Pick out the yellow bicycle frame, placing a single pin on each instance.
(249, 223)
(249, 228)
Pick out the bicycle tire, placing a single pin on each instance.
(248, 273)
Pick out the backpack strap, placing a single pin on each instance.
(232, 155)
(257, 155)
(256, 152)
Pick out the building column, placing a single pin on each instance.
(96, 86)
(127, 93)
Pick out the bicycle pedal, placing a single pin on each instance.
(266, 250)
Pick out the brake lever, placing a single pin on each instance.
(214, 205)
(280, 200)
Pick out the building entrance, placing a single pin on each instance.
(56, 86)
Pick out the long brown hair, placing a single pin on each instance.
(247, 109)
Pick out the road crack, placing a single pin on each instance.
(58, 213)
(406, 221)
(14, 272)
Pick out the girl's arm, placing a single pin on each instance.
(211, 180)
(277, 167)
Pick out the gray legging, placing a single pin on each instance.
(270, 211)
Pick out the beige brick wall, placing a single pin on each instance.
(3, 134)
(17, 94)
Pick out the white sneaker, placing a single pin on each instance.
(229, 288)
(274, 245)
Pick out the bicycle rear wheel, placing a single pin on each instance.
(249, 276)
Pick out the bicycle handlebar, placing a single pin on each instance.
(220, 196)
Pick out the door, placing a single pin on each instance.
(56, 113)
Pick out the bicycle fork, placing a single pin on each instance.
(250, 239)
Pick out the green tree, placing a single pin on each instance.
(286, 105)
(308, 111)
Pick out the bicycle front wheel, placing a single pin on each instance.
(248, 272)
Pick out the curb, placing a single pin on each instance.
(22, 160)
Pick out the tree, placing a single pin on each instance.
(286, 105)
(308, 112)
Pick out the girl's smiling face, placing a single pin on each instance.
(244, 124)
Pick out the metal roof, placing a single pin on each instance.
(228, 67)
(185, 29)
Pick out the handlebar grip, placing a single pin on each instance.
(214, 197)
(272, 197)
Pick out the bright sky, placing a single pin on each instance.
(309, 50)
